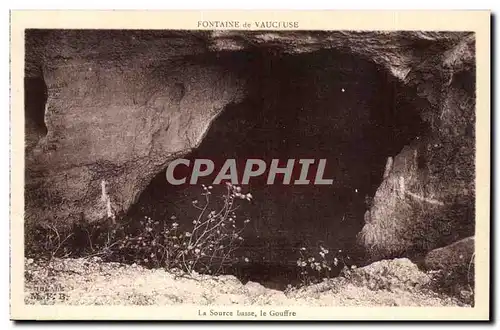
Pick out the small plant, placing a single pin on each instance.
(317, 264)
(215, 234)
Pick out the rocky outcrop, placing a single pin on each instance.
(115, 117)
(121, 105)
(427, 200)
(456, 257)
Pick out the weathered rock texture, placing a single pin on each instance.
(427, 199)
(456, 257)
(120, 105)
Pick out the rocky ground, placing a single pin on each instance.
(82, 281)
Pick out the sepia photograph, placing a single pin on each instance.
(250, 168)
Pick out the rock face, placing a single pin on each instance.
(114, 119)
(121, 105)
(427, 199)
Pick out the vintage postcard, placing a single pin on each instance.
(250, 165)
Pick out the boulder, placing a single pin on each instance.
(391, 275)
(454, 257)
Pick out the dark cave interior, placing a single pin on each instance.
(35, 98)
(321, 105)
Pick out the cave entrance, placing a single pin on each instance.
(322, 105)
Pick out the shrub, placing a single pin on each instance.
(317, 264)
(207, 245)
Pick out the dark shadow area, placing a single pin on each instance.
(35, 98)
(323, 105)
